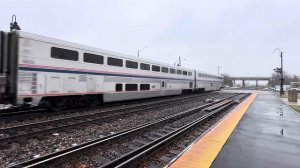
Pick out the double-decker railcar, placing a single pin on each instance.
(39, 70)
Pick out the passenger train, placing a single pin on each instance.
(38, 70)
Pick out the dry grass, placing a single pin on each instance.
(296, 108)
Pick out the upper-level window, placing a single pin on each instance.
(179, 71)
(155, 68)
(145, 66)
(164, 69)
(184, 72)
(114, 61)
(60, 53)
(92, 58)
(131, 64)
(190, 73)
(172, 71)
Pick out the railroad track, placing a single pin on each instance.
(36, 112)
(138, 142)
(21, 111)
(23, 132)
(165, 156)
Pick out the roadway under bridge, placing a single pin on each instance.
(243, 79)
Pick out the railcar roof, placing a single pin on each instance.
(97, 50)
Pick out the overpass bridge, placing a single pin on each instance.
(249, 79)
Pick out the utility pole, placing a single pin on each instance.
(138, 51)
(281, 79)
(179, 63)
(219, 68)
(180, 59)
(280, 70)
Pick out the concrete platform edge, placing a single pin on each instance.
(203, 152)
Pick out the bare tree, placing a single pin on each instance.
(287, 79)
(227, 80)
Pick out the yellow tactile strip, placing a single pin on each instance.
(203, 152)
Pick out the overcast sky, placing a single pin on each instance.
(238, 35)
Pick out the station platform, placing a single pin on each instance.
(262, 131)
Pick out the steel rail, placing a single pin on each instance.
(76, 121)
(60, 156)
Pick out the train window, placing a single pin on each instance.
(172, 71)
(164, 69)
(92, 58)
(60, 53)
(131, 87)
(145, 66)
(155, 68)
(179, 72)
(114, 62)
(184, 72)
(119, 87)
(145, 87)
(131, 64)
(190, 73)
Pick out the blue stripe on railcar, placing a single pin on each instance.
(94, 73)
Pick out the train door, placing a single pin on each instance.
(191, 85)
(54, 83)
(91, 84)
(82, 83)
(163, 87)
(70, 83)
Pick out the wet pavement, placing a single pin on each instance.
(268, 135)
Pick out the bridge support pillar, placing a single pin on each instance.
(256, 83)
(243, 83)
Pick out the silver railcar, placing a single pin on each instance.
(38, 70)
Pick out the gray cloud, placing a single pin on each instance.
(237, 35)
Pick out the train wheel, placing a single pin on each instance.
(93, 101)
(57, 104)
